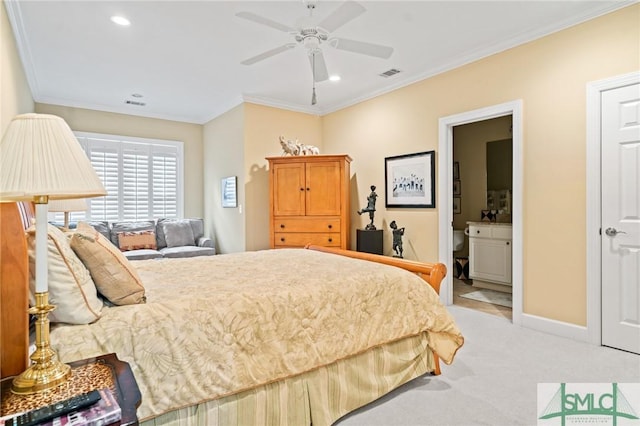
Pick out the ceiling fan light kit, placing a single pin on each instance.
(311, 37)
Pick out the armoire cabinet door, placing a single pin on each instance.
(289, 189)
(322, 189)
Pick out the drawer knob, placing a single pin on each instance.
(330, 226)
(330, 240)
(301, 189)
(282, 225)
(508, 243)
(308, 189)
(282, 239)
(478, 231)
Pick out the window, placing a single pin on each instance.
(143, 178)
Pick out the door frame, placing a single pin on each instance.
(594, 203)
(445, 195)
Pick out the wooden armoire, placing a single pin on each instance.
(309, 200)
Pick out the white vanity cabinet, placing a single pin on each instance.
(490, 252)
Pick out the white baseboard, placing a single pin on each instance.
(558, 328)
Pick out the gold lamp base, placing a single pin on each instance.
(46, 371)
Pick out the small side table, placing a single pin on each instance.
(105, 371)
(369, 241)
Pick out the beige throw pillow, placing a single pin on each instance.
(112, 272)
(136, 240)
(70, 285)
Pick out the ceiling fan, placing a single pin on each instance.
(311, 36)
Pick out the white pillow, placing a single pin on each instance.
(71, 288)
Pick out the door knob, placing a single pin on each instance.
(612, 232)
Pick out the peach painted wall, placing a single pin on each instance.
(15, 95)
(550, 76)
(224, 157)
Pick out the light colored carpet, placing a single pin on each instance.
(490, 296)
(493, 379)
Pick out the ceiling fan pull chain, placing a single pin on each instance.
(313, 77)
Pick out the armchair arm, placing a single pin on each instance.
(204, 242)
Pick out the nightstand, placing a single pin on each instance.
(105, 371)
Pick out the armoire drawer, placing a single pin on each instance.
(300, 239)
(306, 224)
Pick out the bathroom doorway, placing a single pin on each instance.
(482, 188)
(510, 111)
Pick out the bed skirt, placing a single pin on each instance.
(319, 397)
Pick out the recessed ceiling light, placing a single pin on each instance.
(120, 20)
(334, 78)
(136, 95)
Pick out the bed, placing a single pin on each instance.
(288, 336)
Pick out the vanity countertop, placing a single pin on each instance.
(489, 224)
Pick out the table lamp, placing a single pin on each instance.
(68, 206)
(41, 160)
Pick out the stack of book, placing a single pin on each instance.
(103, 412)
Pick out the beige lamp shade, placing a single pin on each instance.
(40, 156)
(70, 205)
(67, 206)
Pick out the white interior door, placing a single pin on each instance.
(620, 173)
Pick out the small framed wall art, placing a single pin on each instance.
(410, 180)
(229, 193)
(457, 205)
(457, 190)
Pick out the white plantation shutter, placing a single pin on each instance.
(105, 159)
(165, 178)
(135, 182)
(143, 177)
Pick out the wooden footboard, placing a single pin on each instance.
(432, 273)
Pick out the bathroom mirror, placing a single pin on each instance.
(499, 175)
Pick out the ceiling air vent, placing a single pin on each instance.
(390, 72)
(136, 103)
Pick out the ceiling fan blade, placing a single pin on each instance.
(265, 21)
(320, 72)
(268, 54)
(362, 47)
(343, 14)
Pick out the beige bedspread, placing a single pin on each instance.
(216, 325)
